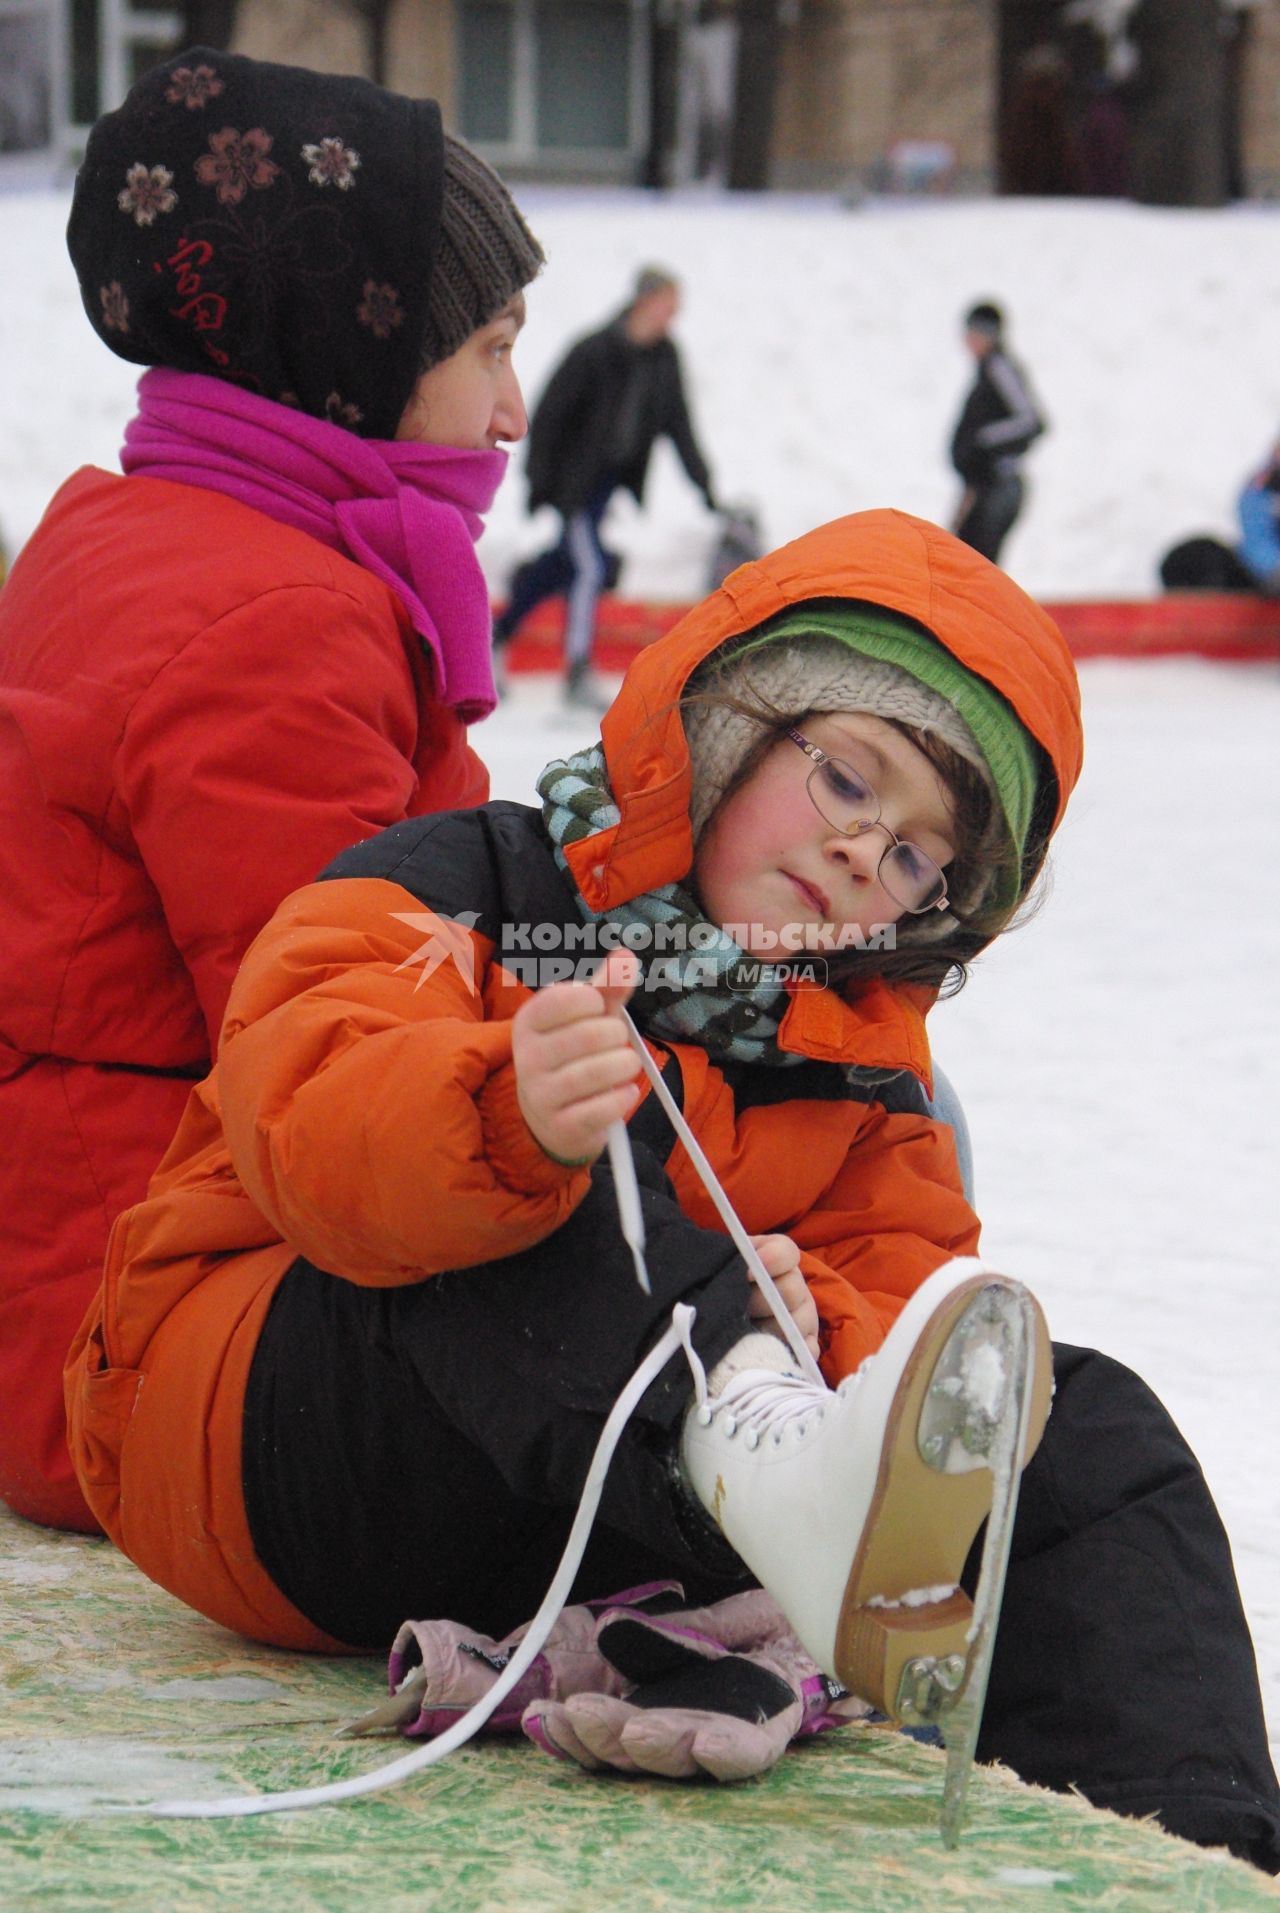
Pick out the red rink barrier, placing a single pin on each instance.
(1185, 624)
(1199, 624)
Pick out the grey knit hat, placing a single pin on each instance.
(487, 253)
(793, 679)
(847, 655)
(790, 675)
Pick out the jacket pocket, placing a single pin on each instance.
(100, 1406)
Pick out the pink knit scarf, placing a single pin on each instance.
(409, 513)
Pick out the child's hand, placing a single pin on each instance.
(575, 1068)
(781, 1258)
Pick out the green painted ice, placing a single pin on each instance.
(111, 1694)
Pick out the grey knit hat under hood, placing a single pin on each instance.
(794, 679)
(789, 673)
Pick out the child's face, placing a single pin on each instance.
(768, 862)
(472, 399)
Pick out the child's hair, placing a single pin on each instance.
(988, 882)
(985, 317)
(651, 279)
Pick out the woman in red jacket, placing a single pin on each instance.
(262, 643)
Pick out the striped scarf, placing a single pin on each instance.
(696, 985)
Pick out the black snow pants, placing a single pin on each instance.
(1123, 1665)
(420, 1452)
(990, 515)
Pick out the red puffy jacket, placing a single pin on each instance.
(199, 708)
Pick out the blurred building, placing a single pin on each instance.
(1169, 101)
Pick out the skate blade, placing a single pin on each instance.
(962, 1719)
(907, 1633)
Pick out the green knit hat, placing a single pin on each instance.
(988, 733)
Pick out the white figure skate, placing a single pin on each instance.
(856, 1508)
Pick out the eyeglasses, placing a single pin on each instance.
(844, 799)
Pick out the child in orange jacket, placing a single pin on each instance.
(353, 1353)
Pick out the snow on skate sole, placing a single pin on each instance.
(903, 1640)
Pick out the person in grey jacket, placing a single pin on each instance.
(999, 421)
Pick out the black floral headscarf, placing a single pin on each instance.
(270, 226)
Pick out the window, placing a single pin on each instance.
(86, 57)
(486, 62)
(560, 82)
(26, 57)
(112, 44)
(583, 51)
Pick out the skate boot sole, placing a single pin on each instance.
(902, 1602)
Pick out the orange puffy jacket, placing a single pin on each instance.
(199, 707)
(363, 1110)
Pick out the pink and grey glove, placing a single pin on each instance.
(438, 1669)
(711, 1693)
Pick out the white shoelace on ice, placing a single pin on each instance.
(677, 1338)
(239, 1806)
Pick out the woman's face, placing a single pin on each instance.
(472, 400)
(778, 877)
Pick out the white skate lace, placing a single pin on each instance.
(762, 1402)
(759, 1399)
(633, 1225)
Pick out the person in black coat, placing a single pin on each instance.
(612, 396)
(999, 421)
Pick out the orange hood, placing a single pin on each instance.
(885, 558)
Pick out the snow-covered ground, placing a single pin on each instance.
(825, 366)
(1120, 1057)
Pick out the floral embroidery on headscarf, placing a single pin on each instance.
(192, 86)
(380, 309)
(148, 190)
(115, 307)
(237, 162)
(238, 265)
(338, 412)
(331, 163)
